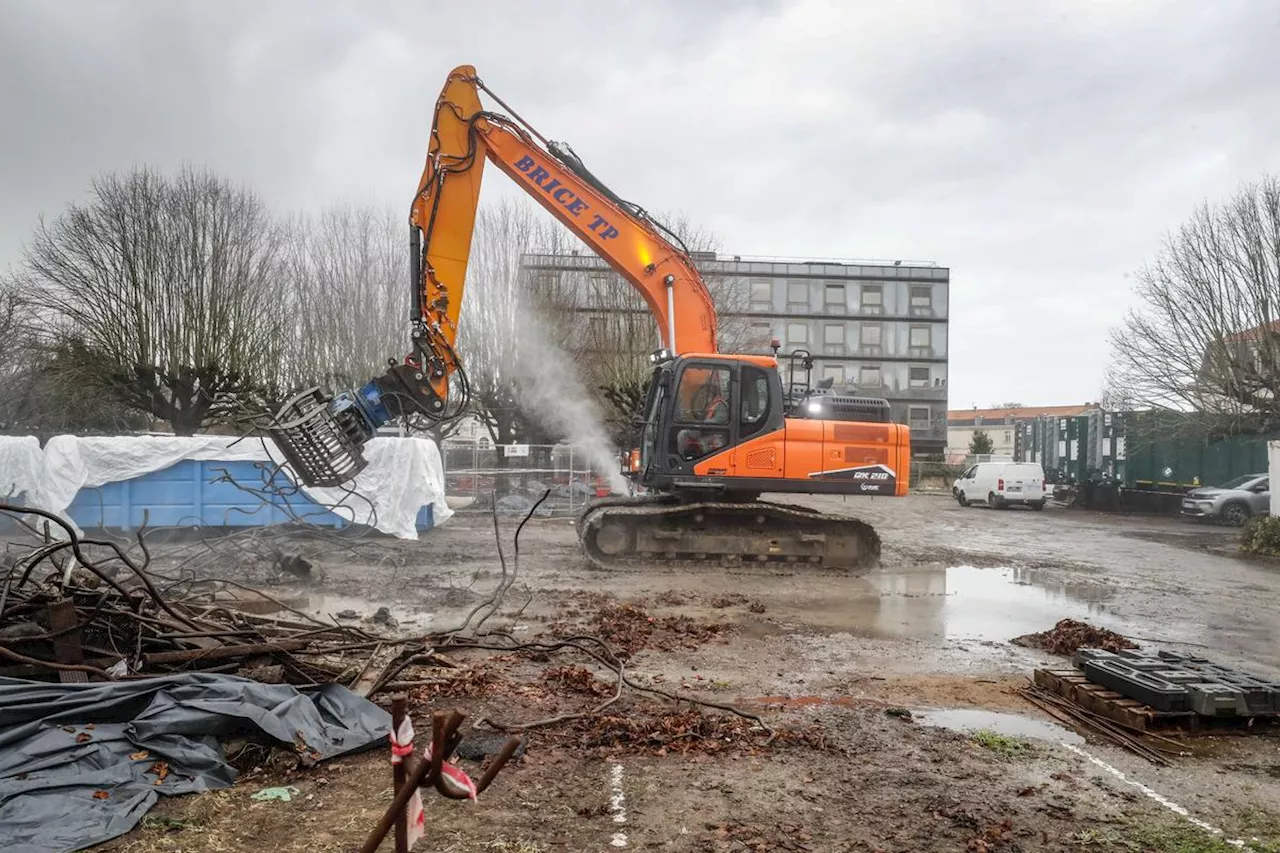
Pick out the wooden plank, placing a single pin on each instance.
(66, 646)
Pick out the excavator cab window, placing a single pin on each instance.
(755, 402)
(701, 423)
(652, 416)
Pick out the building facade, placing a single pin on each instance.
(873, 328)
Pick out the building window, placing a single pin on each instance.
(833, 299)
(798, 293)
(761, 293)
(834, 372)
(918, 417)
(921, 299)
(871, 334)
(597, 330)
(833, 338)
(761, 336)
(797, 334)
(921, 337)
(869, 376)
(545, 282)
(918, 377)
(872, 298)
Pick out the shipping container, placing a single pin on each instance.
(1181, 464)
(1143, 451)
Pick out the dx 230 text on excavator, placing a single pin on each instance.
(717, 430)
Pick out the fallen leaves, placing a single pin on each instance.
(683, 732)
(139, 756)
(100, 795)
(756, 837)
(993, 837)
(629, 628)
(1070, 635)
(577, 679)
(83, 736)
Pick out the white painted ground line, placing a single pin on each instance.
(1157, 796)
(617, 805)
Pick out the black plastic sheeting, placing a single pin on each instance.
(52, 763)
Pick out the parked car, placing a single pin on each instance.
(1233, 502)
(1002, 484)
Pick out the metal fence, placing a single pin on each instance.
(516, 475)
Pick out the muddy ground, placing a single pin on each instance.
(831, 660)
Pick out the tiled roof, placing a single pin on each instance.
(964, 416)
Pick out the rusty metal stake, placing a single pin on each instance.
(444, 740)
(398, 772)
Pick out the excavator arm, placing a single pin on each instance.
(321, 436)
(442, 222)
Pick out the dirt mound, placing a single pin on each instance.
(1070, 635)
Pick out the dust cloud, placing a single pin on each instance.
(550, 390)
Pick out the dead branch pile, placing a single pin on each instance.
(83, 607)
(1070, 635)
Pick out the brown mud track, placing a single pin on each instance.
(830, 660)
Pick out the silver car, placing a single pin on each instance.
(1234, 501)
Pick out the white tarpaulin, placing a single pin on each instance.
(403, 474)
(21, 466)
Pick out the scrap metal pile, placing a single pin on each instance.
(87, 609)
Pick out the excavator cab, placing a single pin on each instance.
(700, 406)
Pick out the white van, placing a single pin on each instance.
(1000, 484)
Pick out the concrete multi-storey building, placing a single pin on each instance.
(873, 327)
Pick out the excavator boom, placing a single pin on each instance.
(443, 217)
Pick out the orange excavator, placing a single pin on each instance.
(717, 430)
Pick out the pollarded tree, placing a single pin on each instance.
(161, 288)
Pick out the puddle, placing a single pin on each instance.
(969, 720)
(964, 602)
(324, 606)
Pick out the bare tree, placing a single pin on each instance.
(42, 391)
(494, 317)
(10, 328)
(1206, 337)
(157, 292)
(343, 290)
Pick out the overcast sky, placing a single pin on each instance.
(1038, 149)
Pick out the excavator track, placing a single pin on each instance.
(624, 532)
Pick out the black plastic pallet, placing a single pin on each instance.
(1149, 688)
(1170, 682)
